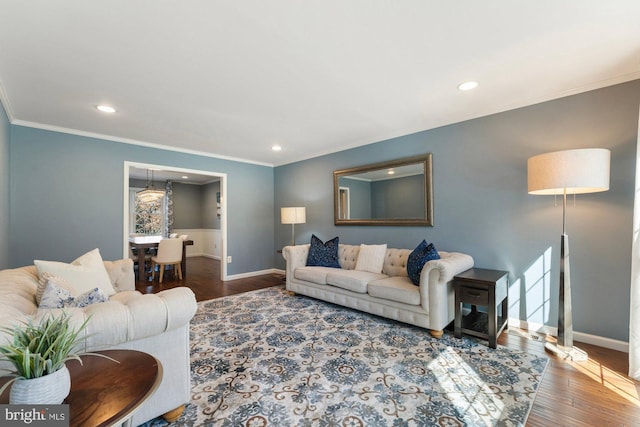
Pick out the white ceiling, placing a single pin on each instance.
(232, 78)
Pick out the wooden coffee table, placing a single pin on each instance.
(104, 393)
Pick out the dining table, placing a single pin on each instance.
(140, 244)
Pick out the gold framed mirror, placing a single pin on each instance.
(395, 192)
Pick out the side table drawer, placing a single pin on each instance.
(474, 296)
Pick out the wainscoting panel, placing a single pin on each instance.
(206, 242)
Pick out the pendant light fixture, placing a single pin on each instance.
(149, 194)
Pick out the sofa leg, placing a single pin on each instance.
(174, 414)
(437, 334)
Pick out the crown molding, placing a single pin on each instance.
(118, 139)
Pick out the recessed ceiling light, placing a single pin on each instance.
(276, 147)
(391, 172)
(106, 109)
(468, 85)
(185, 177)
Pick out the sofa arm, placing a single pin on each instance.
(130, 315)
(295, 256)
(436, 292)
(121, 274)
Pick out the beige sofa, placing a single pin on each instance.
(390, 294)
(157, 324)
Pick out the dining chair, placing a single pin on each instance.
(134, 257)
(169, 253)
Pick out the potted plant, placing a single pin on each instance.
(38, 353)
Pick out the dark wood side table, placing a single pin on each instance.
(479, 286)
(105, 393)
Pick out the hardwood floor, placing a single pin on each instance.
(203, 277)
(597, 392)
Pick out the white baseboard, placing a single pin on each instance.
(205, 256)
(577, 336)
(601, 341)
(254, 273)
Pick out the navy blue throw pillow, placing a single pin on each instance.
(323, 254)
(418, 258)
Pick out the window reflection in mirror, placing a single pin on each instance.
(398, 192)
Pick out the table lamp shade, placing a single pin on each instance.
(295, 215)
(576, 171)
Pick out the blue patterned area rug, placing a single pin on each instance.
(267, 358)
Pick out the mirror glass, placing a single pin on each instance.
(397, 192)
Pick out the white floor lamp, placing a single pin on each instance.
(561, 173)
(294, 215)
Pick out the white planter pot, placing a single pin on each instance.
(48, 390)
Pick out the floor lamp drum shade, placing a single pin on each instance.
(574, 171)
(293, 215)
(568, 172)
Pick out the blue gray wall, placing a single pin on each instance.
(481, 205)
(187, 206)
(210, 218)
(5, 138)
(194, 206)
(66, 198)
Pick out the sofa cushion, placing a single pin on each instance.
(396, 288)
(121, 274)
(323, 254)
(371, 258)
(418, 258)
(317, 275)
(348, 256)
(395, 262)
(352, 280)
(83, 274)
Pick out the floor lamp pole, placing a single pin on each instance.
(565, 315)
(293, 235)
(564, 347)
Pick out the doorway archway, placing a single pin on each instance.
(163, 172)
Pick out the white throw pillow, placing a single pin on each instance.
(371, 258)
(82, 275)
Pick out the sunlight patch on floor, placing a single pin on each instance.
(464, 374)
(619, 384)
(612, 380)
